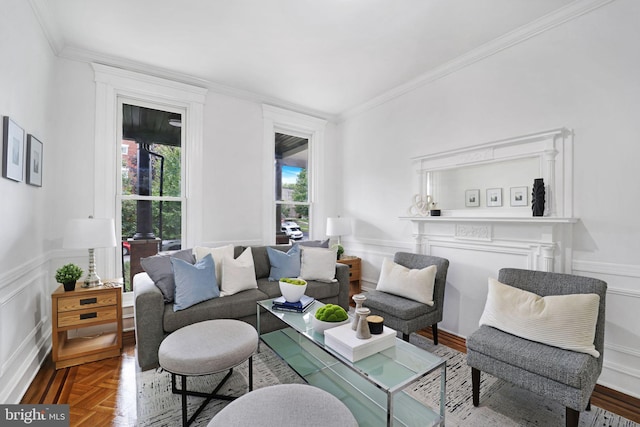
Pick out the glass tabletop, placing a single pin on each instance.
(391, 369)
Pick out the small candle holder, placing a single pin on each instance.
(358, 299)
(376, 324)
(363, 332)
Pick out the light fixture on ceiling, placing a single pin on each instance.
(175, 122)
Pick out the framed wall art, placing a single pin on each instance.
(494, 197)
(12, 150)
(472, 198)
(519, 196)
(34, 161)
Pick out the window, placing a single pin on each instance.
(292, 186)
(294, 148)
(151, 184)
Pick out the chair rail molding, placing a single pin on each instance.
(446, 175)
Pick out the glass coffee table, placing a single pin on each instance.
(372, 388)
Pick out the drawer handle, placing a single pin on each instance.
(88, 301)
(350, 274)
(88, 315)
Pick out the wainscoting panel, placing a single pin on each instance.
(25, 330)
(622, 332)
(466, 291)
(470, 266)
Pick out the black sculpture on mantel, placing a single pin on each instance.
(537, 197)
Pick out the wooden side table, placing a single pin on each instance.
(79, 309)
(355, 272)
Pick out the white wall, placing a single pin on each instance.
(27, 73)
(581, 75)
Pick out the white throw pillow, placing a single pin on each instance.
(415, 284)
(218, 254)
(238, 274)
(564, 321)
(318, 264)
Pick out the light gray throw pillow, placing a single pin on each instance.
(158, 267)
(194, 282)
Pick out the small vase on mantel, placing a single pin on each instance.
(537, 197)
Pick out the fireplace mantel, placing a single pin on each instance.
(498, 219)
(544, 243)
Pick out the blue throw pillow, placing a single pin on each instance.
(194, 283)
(284, 264)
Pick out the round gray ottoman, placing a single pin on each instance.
(286, 405)
(207, 348)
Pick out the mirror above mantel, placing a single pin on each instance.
(484, 196)
(513, 163)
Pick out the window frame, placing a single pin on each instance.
(279, 120)
(112, 84)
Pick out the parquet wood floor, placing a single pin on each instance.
(103, 393)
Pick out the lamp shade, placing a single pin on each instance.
(338, 226)
(89, 233)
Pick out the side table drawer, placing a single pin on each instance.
(355, 271)
(80, 302)
(90, 315)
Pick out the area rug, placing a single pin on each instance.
(501, 404)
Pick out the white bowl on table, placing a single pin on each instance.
(320, 325)
(291, 292)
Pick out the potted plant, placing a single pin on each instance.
(329, 316)
(68, 275)
(339, 250)
(292, 289)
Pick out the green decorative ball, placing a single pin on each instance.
(331, 313)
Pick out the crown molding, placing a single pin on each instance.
(48, 24)
(91, 57)
(517, 36)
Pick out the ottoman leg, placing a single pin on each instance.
(185, 423)
(251, 373)
(209, 396)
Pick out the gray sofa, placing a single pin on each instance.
(155, 319)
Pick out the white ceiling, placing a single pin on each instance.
(328, 56)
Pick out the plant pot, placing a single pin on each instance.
(291, 292)
(69, 286)
(320, 325)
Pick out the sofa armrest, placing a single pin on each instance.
(342, 275)
(149, 313)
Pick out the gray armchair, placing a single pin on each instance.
(562, 375)
(406, 315)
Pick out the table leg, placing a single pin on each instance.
(443, 390)
(258, 325)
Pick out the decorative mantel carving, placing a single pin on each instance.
(473, 232)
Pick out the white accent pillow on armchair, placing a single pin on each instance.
(415, 284)
(563, 321)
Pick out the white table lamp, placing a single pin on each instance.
(338, 227)
(90, 233)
